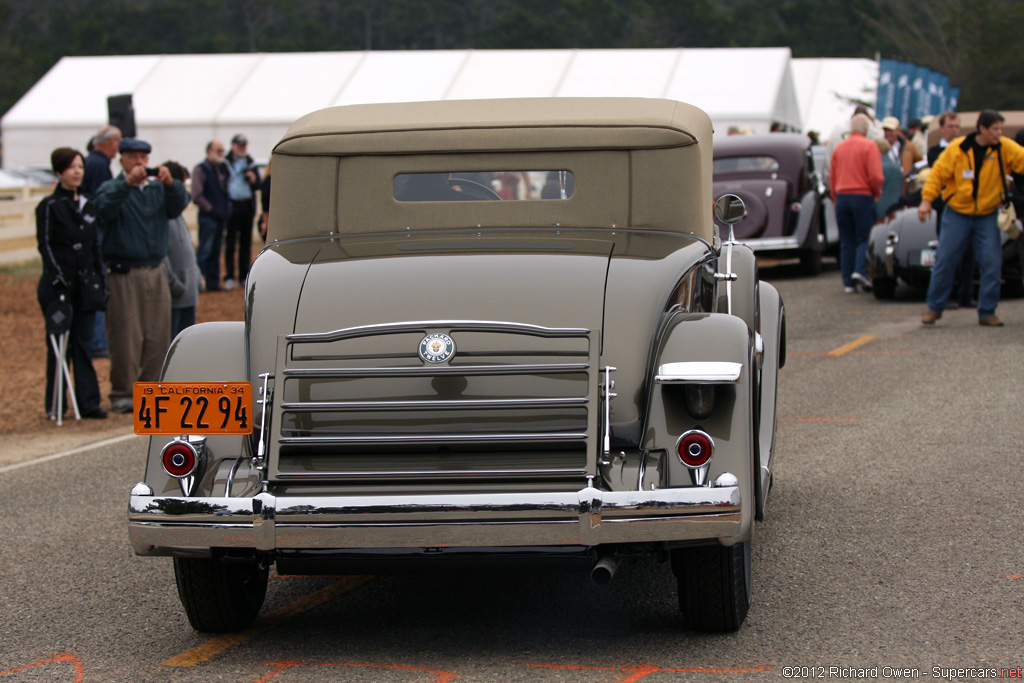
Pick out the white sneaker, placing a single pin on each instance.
(850, 290)
(862, 281)
(230, 284)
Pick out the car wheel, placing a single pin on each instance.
(220, 596)
(810, 260)
(1013, 288)
(884, 287)
(714, 586)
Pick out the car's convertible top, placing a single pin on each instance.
(630, 158)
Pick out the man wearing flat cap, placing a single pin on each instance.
(135, 207)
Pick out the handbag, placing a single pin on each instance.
(1006, 215)
(1007, 221)
(93, 290)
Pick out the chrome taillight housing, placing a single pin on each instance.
(179, 459)
(695, 448)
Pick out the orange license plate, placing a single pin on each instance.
(193, 407)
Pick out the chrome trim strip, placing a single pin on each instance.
(699, 372)
(437, 370)
(425, 325)
(768, 243)
(231, 476)
(642, 471)
(731, 244)
(431, 438)
(159, 524)
(609, 384)
(416, 474)
(326, 406)
(266, 402)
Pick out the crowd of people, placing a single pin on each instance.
(873, 167)
(118, 256)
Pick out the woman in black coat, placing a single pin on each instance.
(72, 269)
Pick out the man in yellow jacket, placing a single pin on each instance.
(967, 175)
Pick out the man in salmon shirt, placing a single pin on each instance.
(970, 174)
(856, 179)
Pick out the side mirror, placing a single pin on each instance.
(730, 209)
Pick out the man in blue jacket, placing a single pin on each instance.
(135, 207)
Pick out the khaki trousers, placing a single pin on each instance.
(138, 327)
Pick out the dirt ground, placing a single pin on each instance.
(25, 428)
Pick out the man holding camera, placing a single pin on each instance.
(135, 207)
(242, 184)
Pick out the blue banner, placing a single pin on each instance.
(909, 91)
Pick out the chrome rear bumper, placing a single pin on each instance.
(166, 525)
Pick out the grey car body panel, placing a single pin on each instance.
(628, 274)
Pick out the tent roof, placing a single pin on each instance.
(235, 89)
(829, 89)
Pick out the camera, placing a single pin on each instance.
(154, 172)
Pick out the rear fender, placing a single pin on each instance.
(773, 335)
(808, 221)
(207, 352)
(707, 337)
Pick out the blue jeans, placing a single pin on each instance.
(211, 235)
(958, 231)
(855, 215)
(182, 318)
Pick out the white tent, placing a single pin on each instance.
(829, 89)
(182, 101)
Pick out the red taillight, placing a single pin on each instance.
(179, 459)
(695, 448)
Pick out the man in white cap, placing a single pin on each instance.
(135, 207)
(891, 131)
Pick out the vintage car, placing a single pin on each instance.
(444, 380)
(902, 248)
(774, 174)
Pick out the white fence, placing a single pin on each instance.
(18, 222)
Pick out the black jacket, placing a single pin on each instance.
(66, 233)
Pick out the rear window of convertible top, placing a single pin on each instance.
(483, 186)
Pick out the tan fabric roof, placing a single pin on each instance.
(480, 125)
(643, 163)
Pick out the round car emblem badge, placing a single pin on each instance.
(437, 348)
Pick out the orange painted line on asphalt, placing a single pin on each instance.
(636, 673)
(1011, 576)
(855, 344)
(877, 352)
(75, 662)
(281, 667)
(214, 646)
(819, 419)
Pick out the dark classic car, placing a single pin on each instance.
(484, 334)
(774, 174)
(903, 248)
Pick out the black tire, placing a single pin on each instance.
(810, 258)
(220, 596)
(1013, 288)
(714, 586)
(884, 287)
(810, 261)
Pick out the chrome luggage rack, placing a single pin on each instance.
(588, 436)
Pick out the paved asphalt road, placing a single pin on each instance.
(893, 539)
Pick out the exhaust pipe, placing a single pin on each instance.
(604, 570)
